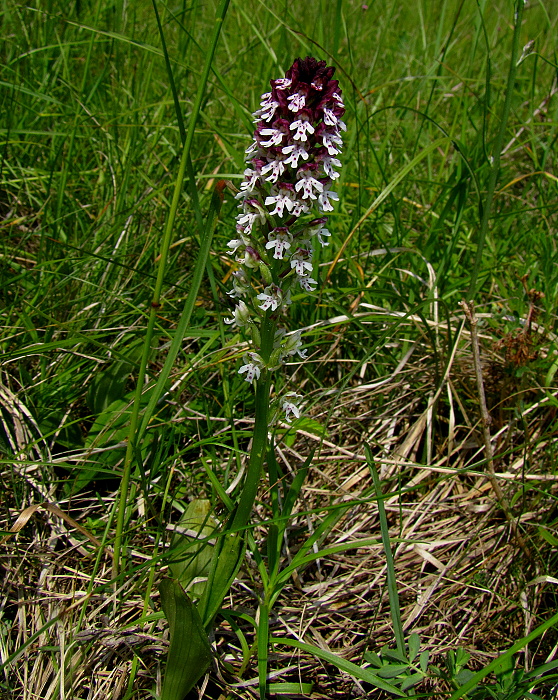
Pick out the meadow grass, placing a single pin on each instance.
(93, 128)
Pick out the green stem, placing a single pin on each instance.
(165, 245)
(497, 150)
(259, 437)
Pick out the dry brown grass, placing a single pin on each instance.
(463, 580)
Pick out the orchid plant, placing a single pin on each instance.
(284, 198)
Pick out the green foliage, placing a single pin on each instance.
(112, 119)
(190, 652)
(190, 552)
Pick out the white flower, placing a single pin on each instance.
(289, 404)
(297, 102)
(268, 108)
(306, 283)
(277, 168)
(300, 262)
(280, 240)
(235, 244)
(329, 117)
(323, 200)
(284, 198)
(308, 184)
(323, 232)
(253, 211)
(327, 162)
(271, 298)
(302, 126)
(316, 228)
(338, 99)
(300, 208)
(254, 365)
(283, 83)
(296, 152)
(276, 137)
(250, 150)
(329, 139)
(250, 181)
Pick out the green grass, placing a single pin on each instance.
(91, 142)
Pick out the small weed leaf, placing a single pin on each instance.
(307, 424)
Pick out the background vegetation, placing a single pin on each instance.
(90, 146)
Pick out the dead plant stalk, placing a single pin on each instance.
(469, 310)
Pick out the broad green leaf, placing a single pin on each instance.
(110, 384)
(110, 430)
(505, 667)
(373, 659)
(190, 652)
(308, 424)
(393, 655)
(189, 555)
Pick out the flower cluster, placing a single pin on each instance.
(284, 198)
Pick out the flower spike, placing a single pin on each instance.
(292, 163)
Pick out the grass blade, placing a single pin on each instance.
(363, 674)
(391, 579)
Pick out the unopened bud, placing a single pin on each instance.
(275, 358)
(256, 337)
(266, 273)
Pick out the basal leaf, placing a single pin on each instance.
(190, 652)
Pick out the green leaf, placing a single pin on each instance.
(393, 655)
(504, 668)
(190, 652)
(373, 659)
(288, 688)
(227, 557)
(496, 663)
(308, 424)
(423, 661)
(190, 554)
(393, 670)
(414, 646)
(411, 681)
(360, 672)
(463, 676)
(109, 385)
(548, 536)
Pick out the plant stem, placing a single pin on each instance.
(259, 438)
(469, 310)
